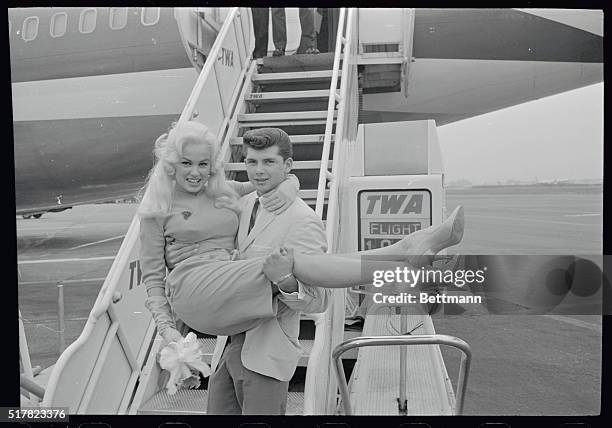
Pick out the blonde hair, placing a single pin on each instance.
(159, 188)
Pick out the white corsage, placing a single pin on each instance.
(183, 360)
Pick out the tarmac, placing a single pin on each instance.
(522, 364)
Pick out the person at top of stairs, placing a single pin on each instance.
(308, 40)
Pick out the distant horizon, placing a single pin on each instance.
(553, 138)
(594, 182)
(556, 180)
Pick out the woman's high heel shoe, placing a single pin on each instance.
(434, 239)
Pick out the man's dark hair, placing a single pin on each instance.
(259, 139)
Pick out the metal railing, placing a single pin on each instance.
(102, 304)
(320, 389)
(207, 70)
(32, 387)
(435, 339)
(346, 47)
(27, 378)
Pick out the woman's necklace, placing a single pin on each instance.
(186, 214)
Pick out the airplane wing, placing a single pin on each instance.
(468, 62)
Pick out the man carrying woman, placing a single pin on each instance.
(257, 299)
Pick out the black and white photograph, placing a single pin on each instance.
(309, 211)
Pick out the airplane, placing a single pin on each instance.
(93, 88)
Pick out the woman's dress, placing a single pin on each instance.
(208, 292)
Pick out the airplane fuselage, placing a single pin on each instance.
(93, 88)
(88, 106)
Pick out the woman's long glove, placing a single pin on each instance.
(162, 314)
(171, 335)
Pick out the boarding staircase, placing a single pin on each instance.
(285, 93)
(111, 367)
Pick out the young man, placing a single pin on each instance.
(253, 373)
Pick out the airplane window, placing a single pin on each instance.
(29, 31)
(118, 17)
(59, 21)
(149, 15)
(87, 20)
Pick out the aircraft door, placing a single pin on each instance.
(198, 28)
(386, 37)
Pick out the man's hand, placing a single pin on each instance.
(275, 202)
(229, 203)
(281, 198)
(277, 266)
(177, 252)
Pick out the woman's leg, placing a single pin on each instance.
(413, 252)
(419, 247)
(329, 271)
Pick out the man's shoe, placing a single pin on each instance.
(278, 52)
(312, 51)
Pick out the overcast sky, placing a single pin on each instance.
(558, 137)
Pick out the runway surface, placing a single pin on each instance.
(523, 365)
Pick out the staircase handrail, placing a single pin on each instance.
(100, 306)
(405, 340)
(331, 106)
(319, 364)
(189, 108)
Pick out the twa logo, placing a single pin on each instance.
(135, 274)
(226, 57)
(394, 204)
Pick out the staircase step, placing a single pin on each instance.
(285, 123)
(296, 76)
(285, 116)
(311, 194)
(295, 139)
(208, 347)
(288, 119)
(285, 96)
(297, 62)
(194, 402)
(305, 104)
(295, 403)
(306, 350)
(297, 165)
(184, 402)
